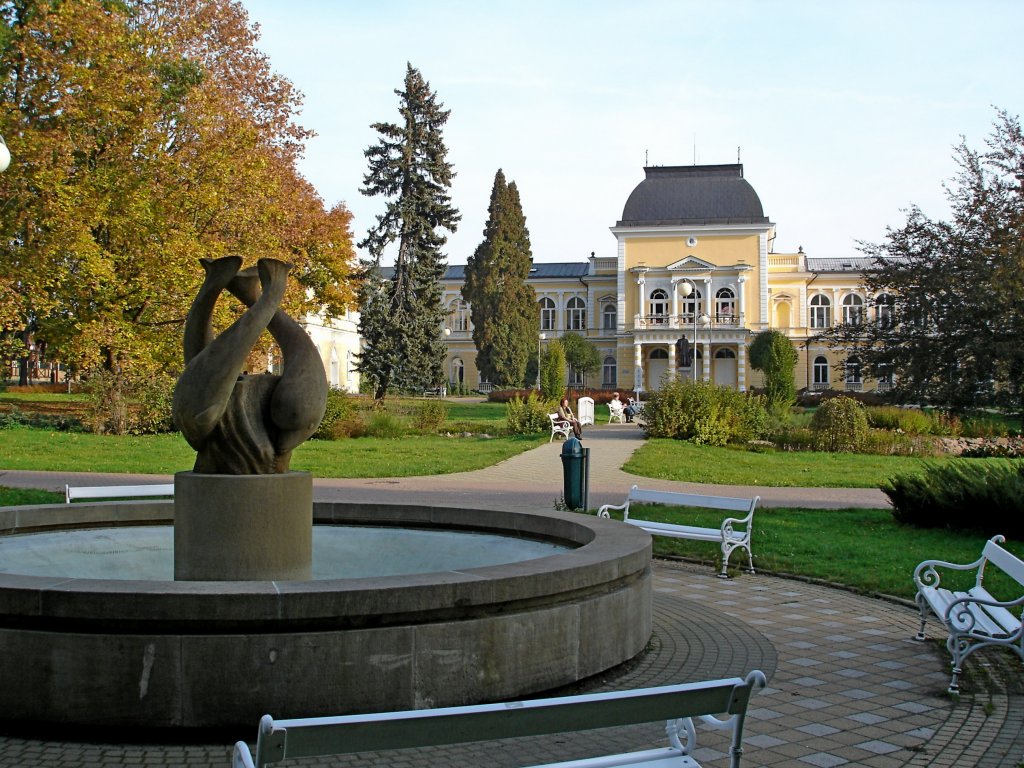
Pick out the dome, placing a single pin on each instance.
(695, 195)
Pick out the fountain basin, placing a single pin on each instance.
(217, 653)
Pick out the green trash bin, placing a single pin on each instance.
(575, 474)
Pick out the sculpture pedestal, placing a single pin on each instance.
(243, 527)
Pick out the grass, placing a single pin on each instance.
(16, 497)
(39, 449)
(667, 459)
(865, 549)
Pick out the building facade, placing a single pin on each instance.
(694, 278)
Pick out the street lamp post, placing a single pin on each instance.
(540, 341)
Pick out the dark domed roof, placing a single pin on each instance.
(693, 194)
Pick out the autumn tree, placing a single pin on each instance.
(401, 316)
(147, 134)
(949, 294)
(502, 305)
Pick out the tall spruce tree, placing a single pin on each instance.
(402, 319)
(503, 306)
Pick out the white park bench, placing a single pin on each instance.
(973, 618)
(734, 532)
(559, 427)
(676, 704)
(116, 491)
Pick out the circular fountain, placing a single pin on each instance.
(166, 653)
(243, 628)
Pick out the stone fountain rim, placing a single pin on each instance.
(605, 551)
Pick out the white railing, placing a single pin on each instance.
(684, 322)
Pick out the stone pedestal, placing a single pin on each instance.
(243, 527)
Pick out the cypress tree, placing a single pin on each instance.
(401, 318)
(503, 306)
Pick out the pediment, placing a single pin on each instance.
(690, 263)
(781, 297)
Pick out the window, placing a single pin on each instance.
(853, 379)
(725, 305)
(821, 312)
(609, 372)
(853, 309)
(658, 354)
(609, 317)
(820, 372)
(458, 372)
(725, 354)
(577, 314)
(659, 306)
(689, 306)
(884, 378)
(547, 314)
(458, 315)
(883, 310)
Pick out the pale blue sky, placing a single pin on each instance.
(846, 113)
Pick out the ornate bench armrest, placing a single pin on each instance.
(603, 511)
(925, 574)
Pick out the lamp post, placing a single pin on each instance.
(540, 341)
(705, 321)
(447, 333)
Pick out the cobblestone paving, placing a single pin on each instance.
(847, 686)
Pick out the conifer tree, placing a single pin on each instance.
(402, 319)
(503, 307)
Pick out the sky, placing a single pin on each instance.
(843, 114)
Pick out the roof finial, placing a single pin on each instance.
(645, 157)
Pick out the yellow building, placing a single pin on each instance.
(694, 262)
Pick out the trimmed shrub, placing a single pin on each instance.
(340, 408)
(119, 405)
(430, 416)
(528, 416)
(984, 496)
(839, 424)
(704, 413)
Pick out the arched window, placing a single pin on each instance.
(659, 306)
(853, 379)
(458, 372)
(576, 319)
(725, 305)
(689, 305)
(335, 378)
(609, 372)
(853, 309)
(547, 314)
(609, 317)
(458, 315)
(821, 311)
(820, 373)
(883, 310)
(658, 354)
(725, 354)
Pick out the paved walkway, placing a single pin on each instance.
(847, 684)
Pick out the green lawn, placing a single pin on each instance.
(40, 449)
(861, 548)
(680, 460)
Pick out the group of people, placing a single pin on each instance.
(630, 409)
(566, 415)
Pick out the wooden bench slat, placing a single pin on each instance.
(116, 491)
(347, 734)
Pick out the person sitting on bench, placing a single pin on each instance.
(565, 414)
